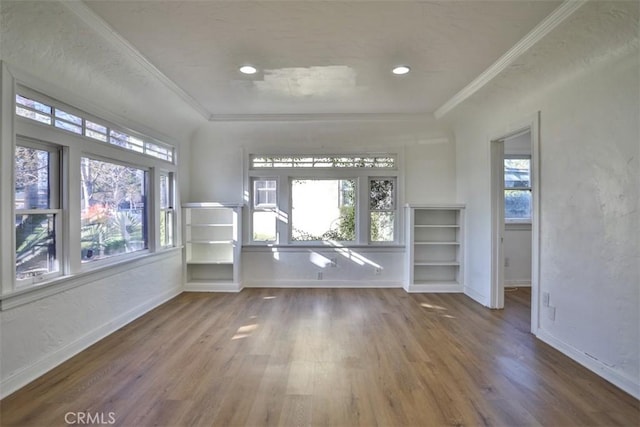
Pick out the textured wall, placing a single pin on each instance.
(37, 336)
(589, 206)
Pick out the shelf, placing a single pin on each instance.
(209, 262)
(210, 242)
(213, 249)
(437, 243)
(434, 254)
(209, 225)
(436, 264)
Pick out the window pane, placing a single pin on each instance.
(35, 245)
(21, 100)
(264, 193)
(32, 178)
(517, 173)
(382, 225)
(517, 204)
(68, 127)
(166, 228)
(68, 117)
(264, 226)
(113, 217)
(96, 127)
(381, 194)
(317, 213)
(164, 191)
(29, 114)
(96, 135)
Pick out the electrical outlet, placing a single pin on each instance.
(334, 262)
(506, 261)
(545, 299)
(552, 313)
(319, 275)
(378, 271)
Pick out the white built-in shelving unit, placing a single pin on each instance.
(213, 246)
(435, 238)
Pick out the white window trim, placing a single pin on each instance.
(284, 175)
(73, 147)
(529, 188)
(60, 225)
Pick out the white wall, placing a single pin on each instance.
(50, 50)
(589, 164)
(429, 166)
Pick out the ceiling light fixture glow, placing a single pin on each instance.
(401, 69)
(248, 69)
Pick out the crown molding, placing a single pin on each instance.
(319, 117)
(566, 9)
(101, 27)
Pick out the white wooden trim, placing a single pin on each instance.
(323, 284)
(212, 287)
(617, 378)
(434, 288)
(566, 9)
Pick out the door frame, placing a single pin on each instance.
(497, 215)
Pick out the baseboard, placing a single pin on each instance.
(523, 283)
(50, 361)
(212, 287)
(477, 297)
(323, 284)
(614, 377)
(435, 288)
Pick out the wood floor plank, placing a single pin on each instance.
(334, 357)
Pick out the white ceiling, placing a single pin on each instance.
(318, 57)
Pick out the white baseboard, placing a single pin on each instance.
(614, 377)
(50, 361)
(212, 287)
(323, 284)
(522, 283)
(435, 288)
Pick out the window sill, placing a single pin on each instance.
(304, 247)
(54, 286)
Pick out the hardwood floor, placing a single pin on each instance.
(337, 357)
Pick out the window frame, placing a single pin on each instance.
(360, 174)
(55, 179)
(528, 188)
(253, 208)
(72, 147)
(168, 212)
(146, 226)
(394, 211)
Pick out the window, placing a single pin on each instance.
(45, 113)
(166, 210)
(38, 214)
(113, 210)
(348, 198)
(517, 188)
(264, 209)
(323, 209)
(382, 209)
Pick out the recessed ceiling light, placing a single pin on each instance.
(400, 70)
(248, 69)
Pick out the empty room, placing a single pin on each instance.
(339, 213)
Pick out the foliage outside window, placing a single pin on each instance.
(166, 210)
(113, 210)
(382, 208)
(517, 189)
(323, 209)
(37, 220)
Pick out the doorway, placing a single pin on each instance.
(515, 216)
